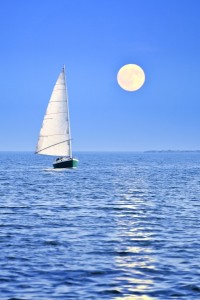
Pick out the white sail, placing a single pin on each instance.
(54, 138)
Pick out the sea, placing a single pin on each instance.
(123, 226)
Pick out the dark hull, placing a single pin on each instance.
(62, 164)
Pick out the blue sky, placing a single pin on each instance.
(95, 38)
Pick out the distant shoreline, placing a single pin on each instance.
(168, 151)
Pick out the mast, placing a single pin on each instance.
(69, 130)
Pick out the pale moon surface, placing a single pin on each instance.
(131, 77)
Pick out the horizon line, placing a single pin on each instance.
(159, 150)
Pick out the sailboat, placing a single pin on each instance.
(55, 135)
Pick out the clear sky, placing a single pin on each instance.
(95, 38)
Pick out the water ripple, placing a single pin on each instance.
(127, 228)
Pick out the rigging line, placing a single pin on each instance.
(58, 101)
(61, 112)
(51, 146)
(42, 135)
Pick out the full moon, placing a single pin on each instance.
(131, 77)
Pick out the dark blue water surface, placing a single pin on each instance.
(121, 226)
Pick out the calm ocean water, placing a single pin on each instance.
(122, 226)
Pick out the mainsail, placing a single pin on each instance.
(54, 138)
